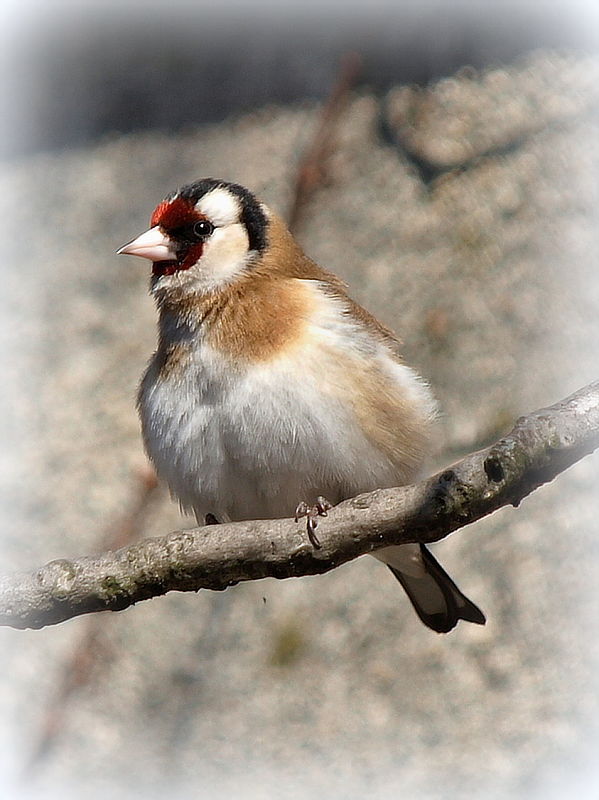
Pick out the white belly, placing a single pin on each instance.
(252, 443)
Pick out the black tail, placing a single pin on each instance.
(435, 597)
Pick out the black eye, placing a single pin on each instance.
(202, 228)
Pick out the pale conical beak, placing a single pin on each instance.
(152, 244)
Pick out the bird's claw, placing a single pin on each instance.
(311, 513)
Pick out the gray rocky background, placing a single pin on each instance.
(326, 686)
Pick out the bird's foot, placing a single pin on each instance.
(311, 513)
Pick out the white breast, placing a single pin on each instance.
(252, 441)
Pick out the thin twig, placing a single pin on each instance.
(81, 664)
(312, 168)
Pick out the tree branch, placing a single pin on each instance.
(540, 446)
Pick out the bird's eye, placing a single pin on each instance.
(202, 228)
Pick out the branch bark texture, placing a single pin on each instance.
(540, 446)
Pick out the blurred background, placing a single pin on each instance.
(443, 159)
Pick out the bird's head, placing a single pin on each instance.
(202, 236)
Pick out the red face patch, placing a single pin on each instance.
(186, 260)
(172, 214)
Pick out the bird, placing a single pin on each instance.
(271, 390)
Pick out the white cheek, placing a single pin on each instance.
(225, 257)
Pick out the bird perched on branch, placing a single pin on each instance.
(271, 387)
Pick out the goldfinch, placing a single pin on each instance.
(270, 387)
